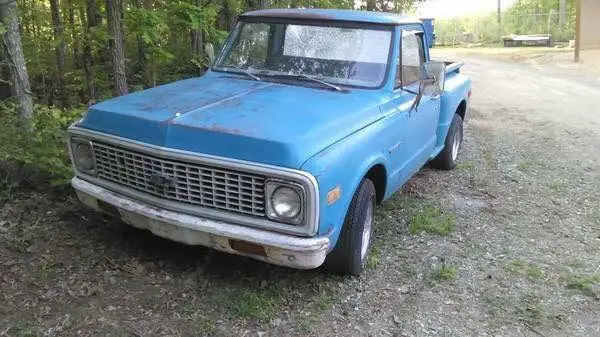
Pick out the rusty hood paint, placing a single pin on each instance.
(229, 116)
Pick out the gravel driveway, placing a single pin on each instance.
(508, 244)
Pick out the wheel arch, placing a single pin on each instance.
(461, 110)
(378, 176)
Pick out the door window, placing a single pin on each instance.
(412, 58)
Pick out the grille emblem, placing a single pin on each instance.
(161, 181)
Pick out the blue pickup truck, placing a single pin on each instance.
(304, 122)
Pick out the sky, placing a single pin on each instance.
(452, 8)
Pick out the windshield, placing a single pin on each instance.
(355, 56)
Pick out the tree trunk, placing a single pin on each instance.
(20, 87)
(141, 65)
(197, 39)
(93, 18)
(5, 91)
(231, 16)
(60, 50)
(74, 36)
(264, 4)
(562, 12)
(117, 53)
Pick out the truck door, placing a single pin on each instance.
(420, 124)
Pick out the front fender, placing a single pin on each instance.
(344, 165)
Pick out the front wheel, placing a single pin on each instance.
(447, 159)
(351, 250)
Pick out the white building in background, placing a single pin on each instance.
(587, 32)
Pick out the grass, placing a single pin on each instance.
(583, 283)
(401, 201)
(465, 166)
(432, 220)
(22, 237)
(374, 257)
(204, 327)
(444, 272)
(530, 310)
(46, 268)
(525, 166)
(24, 329)
(523, 268)
(313, 312)
(258, 305)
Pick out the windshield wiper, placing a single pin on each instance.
(245, 71)
(325, 83)
(307, 77)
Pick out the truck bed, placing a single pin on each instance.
(452, 67)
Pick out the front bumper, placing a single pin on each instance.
(280, 249)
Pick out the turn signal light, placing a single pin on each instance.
(247, 247)
(333, 195)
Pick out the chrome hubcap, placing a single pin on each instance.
(456, 145)
(366, 237)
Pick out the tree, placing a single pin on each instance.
(197, 36)
(397, 6)
(60, 50)
(13, 50)
(117, 52)
(93, 19)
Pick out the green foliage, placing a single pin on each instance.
(444, 272)
(259, 305)
(520, 267)
(584, 283)
(432, 220)
(44, 148)
(523, 17)
(149, 25)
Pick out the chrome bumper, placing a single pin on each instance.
(280, 249)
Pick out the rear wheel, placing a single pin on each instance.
(447, 159)
(351, 250)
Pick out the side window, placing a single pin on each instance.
(252, 50)
(412, 58)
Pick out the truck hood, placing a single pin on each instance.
(225, 115)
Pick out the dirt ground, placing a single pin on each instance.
(508, 244)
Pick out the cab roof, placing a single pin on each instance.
(334, 14)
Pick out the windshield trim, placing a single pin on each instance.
(319, 23)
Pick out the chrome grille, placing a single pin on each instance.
(190, 183)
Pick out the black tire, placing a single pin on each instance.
(447, 159)
(347, 258)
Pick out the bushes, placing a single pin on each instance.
(40, 155)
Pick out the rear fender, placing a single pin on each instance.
(456, 90)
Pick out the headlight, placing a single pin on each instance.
(83, 155)
(285, 202)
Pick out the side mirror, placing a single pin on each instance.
(210, 53)
(435, 76)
